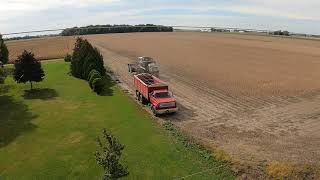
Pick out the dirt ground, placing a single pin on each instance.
(43, 48)
(256, 97)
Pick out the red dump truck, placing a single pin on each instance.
(151, 90)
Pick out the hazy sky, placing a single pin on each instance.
(292, 15)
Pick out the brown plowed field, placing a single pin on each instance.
(256, 97)
(43, 48)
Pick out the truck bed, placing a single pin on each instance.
(146, 83)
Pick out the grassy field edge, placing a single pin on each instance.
(53, 135)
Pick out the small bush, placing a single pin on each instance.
(88, 69)
(93, 75)
(93, 71)
(4, 53)
(67, 58)
(108, 157)
(8, 70)
(97, 85)
(2, 75)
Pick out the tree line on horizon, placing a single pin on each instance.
(280, 33)
(105, 29)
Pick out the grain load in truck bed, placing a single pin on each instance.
(150, 80)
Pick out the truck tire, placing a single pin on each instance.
(143, 100)
(138, 97)
(154, 111)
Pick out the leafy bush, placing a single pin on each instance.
(94, 74)
(97, 85)
(108, 156)
(4, 53)
(2, 75)
(8, 70)
(67, 58)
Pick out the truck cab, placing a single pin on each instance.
(163, 102)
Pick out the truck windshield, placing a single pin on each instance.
(163, 95)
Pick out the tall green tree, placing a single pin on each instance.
(2, 74)
(109, 157)
(4, 53)
(85, 58)
(28, 69)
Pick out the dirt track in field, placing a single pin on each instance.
(256, 97)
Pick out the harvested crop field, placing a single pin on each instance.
(256, 97)
(43, 48)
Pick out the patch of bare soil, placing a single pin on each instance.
(256, 97)
(43, 48)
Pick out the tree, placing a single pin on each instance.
(122, 28)
(4, 53)
(94, 74)
(109, 155)
(67, 57)
(2, 73)
(85, 58)
(28, 69)
(286, 33)
(97, 85)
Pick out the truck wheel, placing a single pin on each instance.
(137, 95)
(144, 101)
(141, 98)
(154, 111)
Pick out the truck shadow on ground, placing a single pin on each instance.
(15, 119)
(183, 114)
(44, 94)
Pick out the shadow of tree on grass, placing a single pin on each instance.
(107, 89)
(43, 94)
(4, 88)
(15, 119)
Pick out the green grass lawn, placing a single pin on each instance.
(51, 135)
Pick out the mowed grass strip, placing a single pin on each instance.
(51, 135)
